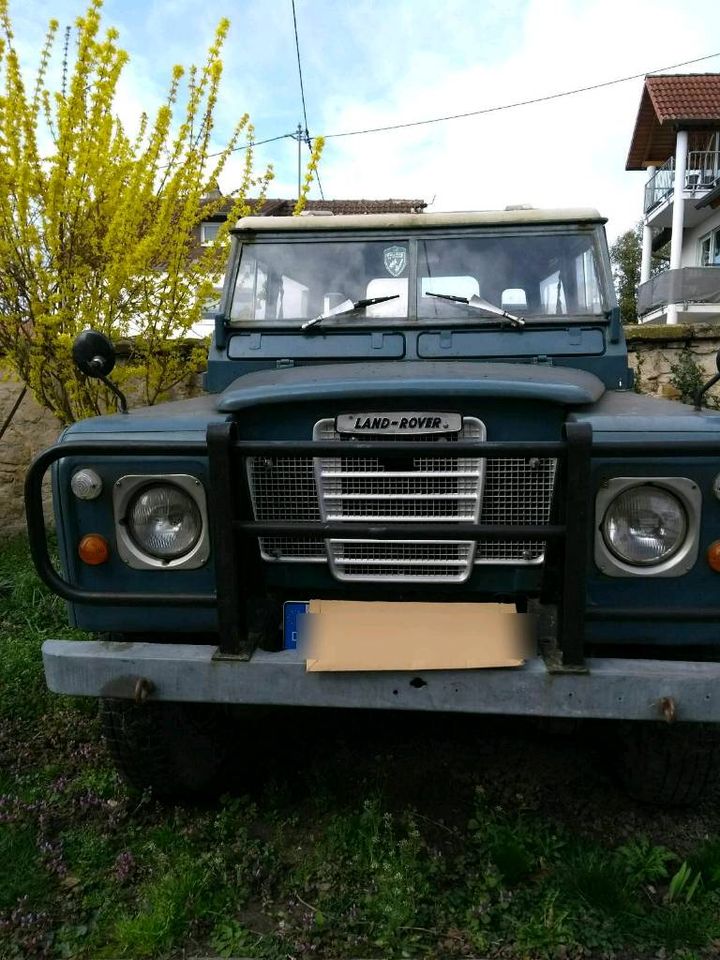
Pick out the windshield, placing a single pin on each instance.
(531, 274)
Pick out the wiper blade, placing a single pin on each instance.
(348, 306)
(477, 303)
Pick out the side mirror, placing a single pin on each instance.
(94, 354)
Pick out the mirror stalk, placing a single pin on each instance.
(121, 399)
(708, 384)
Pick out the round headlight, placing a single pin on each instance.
(645, 525)
(164, 521)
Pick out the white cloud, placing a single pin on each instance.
(566, 152)
(372, 63)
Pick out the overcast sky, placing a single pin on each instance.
(369, 63)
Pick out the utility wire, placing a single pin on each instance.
(519, 103)
(302, 93)
(297, 51)
(473, 113)
(253, 143)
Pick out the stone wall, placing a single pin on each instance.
(31, 429)
(653, 351)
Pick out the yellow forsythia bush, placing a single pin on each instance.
(96, 221)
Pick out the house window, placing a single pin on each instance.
(208, 231)
(710, 249)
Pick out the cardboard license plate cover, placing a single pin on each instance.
(350, 635)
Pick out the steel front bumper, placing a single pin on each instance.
(610, 688)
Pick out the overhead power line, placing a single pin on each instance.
(518, 103)
(485, 110)
(297, 51)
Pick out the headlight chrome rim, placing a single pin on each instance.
(611, 541)
(674, 562)
(131, 548)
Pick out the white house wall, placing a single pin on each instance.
(691, 239)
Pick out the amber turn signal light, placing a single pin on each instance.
(713, 556)
(93, 549)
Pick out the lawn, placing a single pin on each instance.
(346, 836)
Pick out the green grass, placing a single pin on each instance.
(22, 874)
(165, 908)
(345, 851)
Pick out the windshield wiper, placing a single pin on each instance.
(477, 303)
(348, 306)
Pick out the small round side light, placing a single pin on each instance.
(94, 549)
(713, 556)
(86, 484)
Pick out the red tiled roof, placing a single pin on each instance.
(284, 208)
(685, 96)
(669, 100)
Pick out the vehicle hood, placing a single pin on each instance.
(406, 380)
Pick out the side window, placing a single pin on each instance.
(588, 290)
(552, 294)
(292, 299)
(250, 294)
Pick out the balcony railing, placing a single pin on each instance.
(686, 285)
(702, 173)
(660, 185)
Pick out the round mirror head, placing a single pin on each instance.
(93, 353)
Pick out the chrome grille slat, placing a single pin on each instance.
(399, 552)
(402, 560)
(513, 491)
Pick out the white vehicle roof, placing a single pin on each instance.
(419, 221)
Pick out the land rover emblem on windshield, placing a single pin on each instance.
(395, 259)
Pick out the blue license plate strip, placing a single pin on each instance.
(293, 611)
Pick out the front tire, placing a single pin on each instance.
(669, 765)
(175, 750)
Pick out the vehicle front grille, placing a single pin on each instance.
(443, 489)
(516, 491)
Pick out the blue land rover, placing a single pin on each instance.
(399, 409)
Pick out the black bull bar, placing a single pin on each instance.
(234, 535)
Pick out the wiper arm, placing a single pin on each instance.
(348, 306)
(477, 303)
